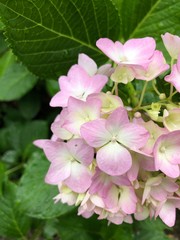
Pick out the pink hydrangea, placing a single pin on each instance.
(114, 157)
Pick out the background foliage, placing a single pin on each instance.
(40, 40)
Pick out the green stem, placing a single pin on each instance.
(116, 88)
(154, 87)
(171, 86)
(142, 94)
(132, 94)
(14, 169)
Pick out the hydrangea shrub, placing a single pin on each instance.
(108, 158)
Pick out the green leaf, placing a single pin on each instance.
(13, 223)
(15, 79)
(52, 33)
(163, 16)
(34, 195)
(30, 105)
(3, 44)
(1, 26)
(52, 87)
(2, 175)
(117, 232)
(72, 226)
(132, 13)
(37, 129)
(150, 229)
(143, 18)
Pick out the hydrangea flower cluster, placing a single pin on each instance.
(110, 159)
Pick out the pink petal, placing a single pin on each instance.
(58, 172)
(133, 136)
(101, 184)
(172, 44)
(170, 170)
(81, 112)
(158, 193)
(138, 51)
(128, 200)
(80, 151)
(40, 143)
(96, 84)
(87, 64)
(60, 99)
(167, 153)
(60, 131)
(113, 50)
(115, 121)
(133, 171)
(114, 159)
(95, 133)
(168, 214)
(55, 151)
(169, 185)
(174, 76)
(80, 179)
(156, 66)
(111, 198)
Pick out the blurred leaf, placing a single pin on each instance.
(52, 87)
(150, 229)
(50, 229)
(1, 26)
(37, 129)
(34, 195)
(2, 175)
(4, 143)
(13, 224)
(49, 42)
(29, 105)
(15, 79)
(117, 232)
(3, 44)
(72, 226)
(19, 137)
(10, 157)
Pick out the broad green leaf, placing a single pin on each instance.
(13, 223)
(143, 18)
(72, 226)
(37, 129)
(163, 16)
(150, 229)
(117, 232)
(19, 137)
(132, 13)
(51, 34)
(15, 79)
(34, 195)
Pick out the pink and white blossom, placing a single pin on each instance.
(113, 137)
(172, 44)
(77, 84)
(167, 154)
(133, 52)
(174, 77)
